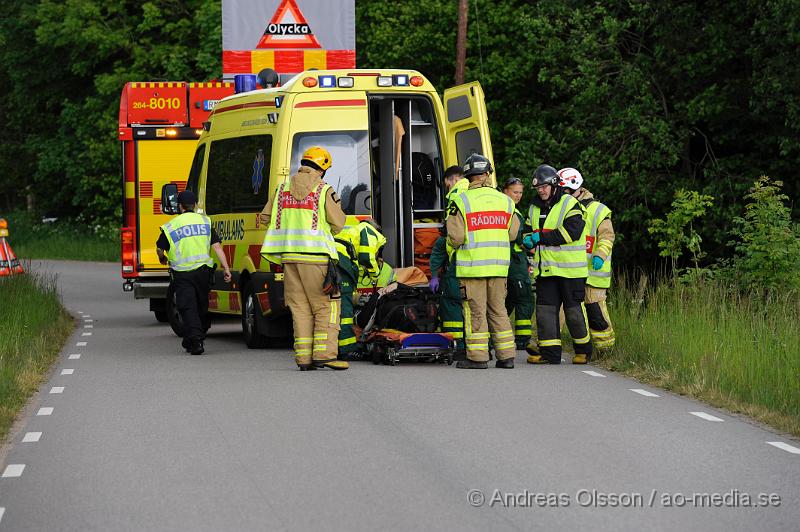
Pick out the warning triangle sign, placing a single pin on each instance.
(288, 29)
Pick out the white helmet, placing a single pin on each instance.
(570, 178)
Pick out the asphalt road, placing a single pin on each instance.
(142, 436)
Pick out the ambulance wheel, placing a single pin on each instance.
(161, 316)
(173, 316)
(250, 307)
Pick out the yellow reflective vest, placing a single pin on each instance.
(486, 251)
(567, 260)
(362, 243)
(596, 212)
(299, 229)
(189, 237)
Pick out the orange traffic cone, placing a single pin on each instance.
(9, 264)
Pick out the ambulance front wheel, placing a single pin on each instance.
(252, 337)
(173, 316)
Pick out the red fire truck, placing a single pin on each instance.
(159, 124)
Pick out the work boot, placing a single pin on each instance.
(186, 344)
(507, 363)
(332, 364)
(539, 359)
(197, 347)
(532, 350)
(471, 364)
(580, 359)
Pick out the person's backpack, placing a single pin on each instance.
(423, 181)
(409, 309)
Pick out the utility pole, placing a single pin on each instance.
(461, 40)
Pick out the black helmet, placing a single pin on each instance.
(545, 175)
(477, 164)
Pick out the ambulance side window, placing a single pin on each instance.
(197, 165)
(238, 174)
(468, 142)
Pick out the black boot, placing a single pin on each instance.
(471, 364)
(197, 347)
(507, 363)
(186, 344)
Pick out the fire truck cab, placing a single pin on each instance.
(159, 124)
(390, 136)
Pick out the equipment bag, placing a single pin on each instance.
(409, 309)
(424, 239)
(423, 181)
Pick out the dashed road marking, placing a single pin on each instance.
(45, 411)
(2, 511)
(705, 416)
(644, 392)
(86, 316)
(13, 470)
(86, 334)
(593, 373)
(88, 326)
(88, 321)
(785, 446)
(31, 437)
(67, 371)
(80, 312)
(80, 344)
(75, 356)
(57, 389)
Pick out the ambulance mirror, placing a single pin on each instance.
(169, 199)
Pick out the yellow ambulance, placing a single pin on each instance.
(391, 137)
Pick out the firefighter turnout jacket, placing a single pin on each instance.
(599, 238)
(561, 251)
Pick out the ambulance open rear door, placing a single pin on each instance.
(467, 123)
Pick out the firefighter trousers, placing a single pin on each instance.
(551, 294)
(485, 311)
(315, 316)
(519, 300)
(451, 312)
(191, 299)
(349, 278)
(599, 321)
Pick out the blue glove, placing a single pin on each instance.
(434, 284)
(530, 241)
(597, 263)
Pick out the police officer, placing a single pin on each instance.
(555, 231)
(184, 243)
(599, 243)
(520, 293)
(359, 250)
(480, 225)
(301, 218)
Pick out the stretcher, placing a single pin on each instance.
(390, 346)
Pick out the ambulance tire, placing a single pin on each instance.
(173, 316)
(252, 337)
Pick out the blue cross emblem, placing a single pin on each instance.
(258, 171)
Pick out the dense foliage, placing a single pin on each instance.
(645, 98)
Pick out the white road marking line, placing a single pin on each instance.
(31, 437)
(75, 356)
(88, 321)
(88, 326)
(80, 344)
(705, 416)
(80, 312)
(45, 411)
(593, 373)
(86, 316)
(2, 511)
(86, 334)
(643, 392)
(67, 371)
(13, 470)
(785, 446)
(57, 389)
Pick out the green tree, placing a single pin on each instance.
(676, 231)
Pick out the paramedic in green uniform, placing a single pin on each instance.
(520, 294)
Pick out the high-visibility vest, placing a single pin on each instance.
(516, 248)
(299, 229)
(385, 277)
(189, 237)
(362, 243)
(596, 212)
(567, 260)
(486, 251)
(460, 187)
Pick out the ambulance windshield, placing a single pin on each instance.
(349, 174)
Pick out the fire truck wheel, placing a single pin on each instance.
(173, 316)
(250, 307)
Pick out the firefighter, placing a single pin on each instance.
(184, 243)
(599, 243)
(480, 226)
(555, 231)
(520, 294)
(359, 249)
(300, 224)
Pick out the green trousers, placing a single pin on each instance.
(349, 276)
(519, 299)
(451, 311)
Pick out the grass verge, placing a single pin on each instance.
(34, 327)
(706, 340)
(64, 240)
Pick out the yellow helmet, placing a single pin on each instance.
(319, 156)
